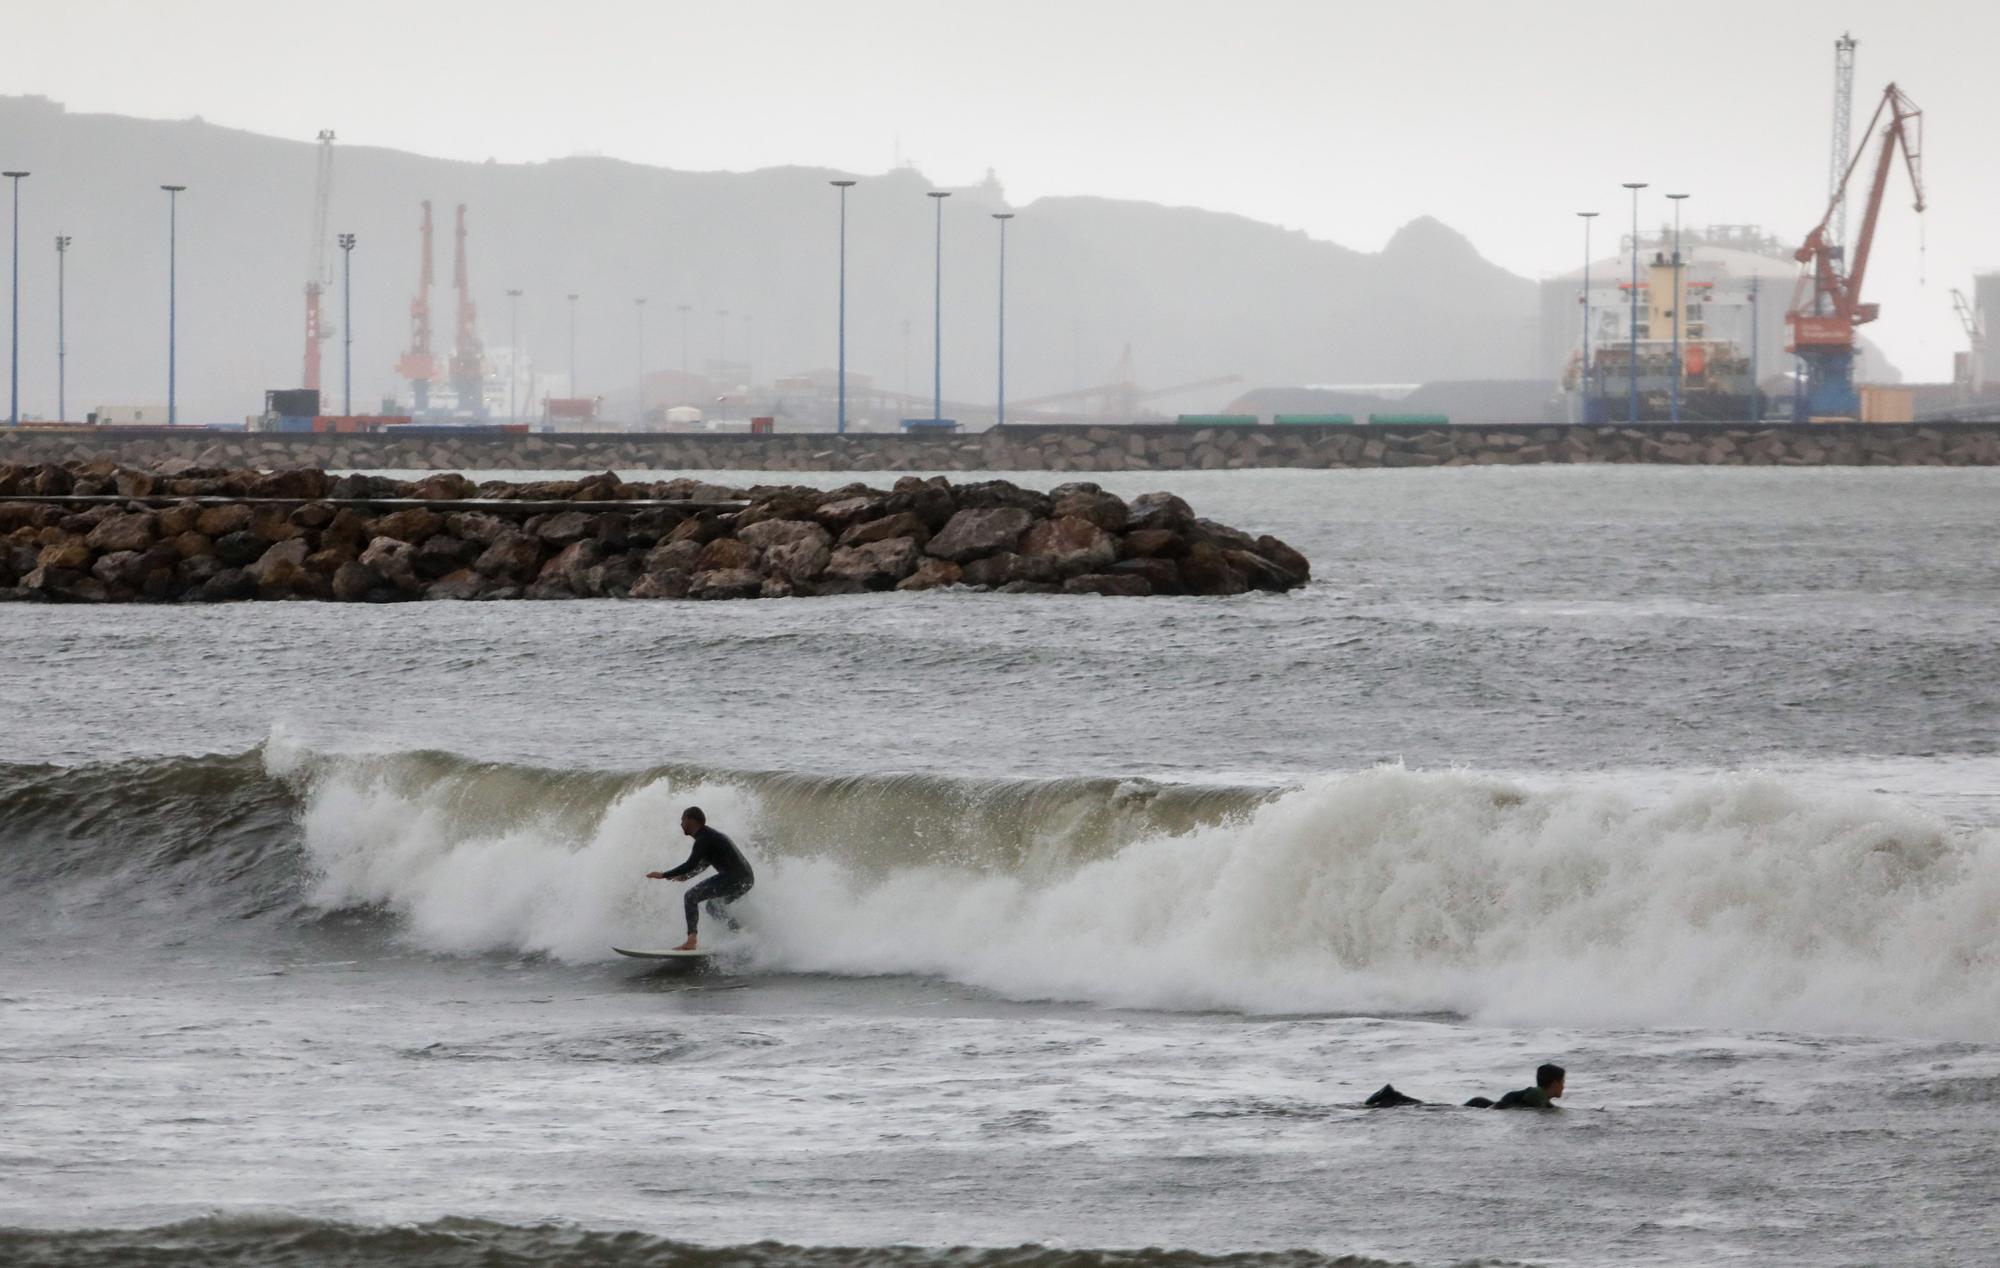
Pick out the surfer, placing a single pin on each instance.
(733, 877)
(1547, 1090)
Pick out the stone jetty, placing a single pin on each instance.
(100, 532)
(1041, 447)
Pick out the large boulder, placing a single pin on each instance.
(799, 561)
(1295, 566)
(1159, 510)
(1153, 543)
(765, 534)
(277, 570)
(986, 494)
(674, 556)
(841, 514)
(980, 531)
(726, 554)
(442, 555)
(725, 583)
(1163, 576)
(660, 585)
(782, 505)
(391, 559)
(135, 531)
(69, 554)
(1205, 570)
(930, 574)
(876, 566)
(477, 526)
(1073, 544)
(120, 568)
(561, 528)
(513, 555)
(929, 501)
(1086, 501)
(240, 549)
(412, 524)
(461, 585)
(220, 521)
(570, 562)
(901, 524)
(1007, 568)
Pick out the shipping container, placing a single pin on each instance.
(1313, 420)
(292, 402)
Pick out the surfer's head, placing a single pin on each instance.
(693, 820)
(1549, 1078)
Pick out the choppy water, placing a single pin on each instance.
(1083, 925)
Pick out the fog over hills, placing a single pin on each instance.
(1195, 294)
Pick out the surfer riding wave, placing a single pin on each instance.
(733, 877)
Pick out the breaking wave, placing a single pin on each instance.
(1746, 902)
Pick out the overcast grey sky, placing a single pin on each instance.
(1341, 119)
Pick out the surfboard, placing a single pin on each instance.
(694, 956)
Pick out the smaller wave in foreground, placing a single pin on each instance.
(287, 1242)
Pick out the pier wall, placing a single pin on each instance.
(1135, 447)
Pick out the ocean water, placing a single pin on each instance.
(1083, 926)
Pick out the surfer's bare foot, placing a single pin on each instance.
(688, 945)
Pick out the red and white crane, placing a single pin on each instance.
(418, 365)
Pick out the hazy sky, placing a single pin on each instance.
(1341, 119)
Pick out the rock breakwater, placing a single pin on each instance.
(98, 532)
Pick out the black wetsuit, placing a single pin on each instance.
(1526, 1098)
(733, 877)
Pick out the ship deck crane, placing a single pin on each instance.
(1827, 305)
(317, 276)
(418, 365)
(468, 356)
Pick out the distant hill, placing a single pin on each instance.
(1194, 293)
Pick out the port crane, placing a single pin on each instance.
(317, 276)
(1827, 305)
(418, 365)
(1974, 377)
(468, 356)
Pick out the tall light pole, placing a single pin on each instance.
(639, 304)
(513, 351)
(840, 423)
(1676, 200)
(62, 338)
(347, 324)
(1756, 400)
(173, 243)
(1633, 408)
(1586, 217)
(1000, 408)
(574, 394)
(14, 324)
(937, 197)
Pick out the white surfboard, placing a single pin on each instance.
(664, 955)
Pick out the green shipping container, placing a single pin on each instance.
(1217, 420)
(1426, 420)
(1313, 420)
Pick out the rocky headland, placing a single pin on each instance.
(100, 532)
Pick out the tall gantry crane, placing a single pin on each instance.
(418, 365)
(468, 357)
(318, 278)
(1843, 120)
(1827, 305)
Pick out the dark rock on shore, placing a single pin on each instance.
(199, 535)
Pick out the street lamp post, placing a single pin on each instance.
(639, 304)
(173, 241)
(574, 394)
(1584, 383)
(1000, 406)
(347, 324)
(62, 335)
(840, 423)
(14, 323)
(1676, 200)
(513, 351)
(937, 313)
(1632, 414)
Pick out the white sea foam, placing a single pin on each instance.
(1745, 902)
